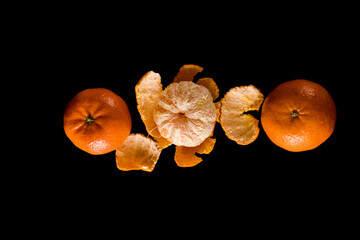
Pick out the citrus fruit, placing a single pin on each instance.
(97, 121)
(299, 115)
(138, 153)
(185, 114)
(238, 126)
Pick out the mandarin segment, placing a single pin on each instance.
(239, 127)
(138, 153)
(187, 73)
(186, 114)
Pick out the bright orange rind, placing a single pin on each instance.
(239, 127)
(206, 147)
(186, 157)
(138, 153)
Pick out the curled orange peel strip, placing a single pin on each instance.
(186, 156)
(187, 73)
(148, 92)
(211, 85)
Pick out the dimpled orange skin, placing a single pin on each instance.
(299, 115)
(97, 121)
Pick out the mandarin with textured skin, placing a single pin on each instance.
(299, 115)
(97, 121)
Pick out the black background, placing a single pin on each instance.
(256, 189)
(259, 186)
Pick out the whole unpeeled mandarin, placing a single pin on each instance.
(97, 121)
(299, 115)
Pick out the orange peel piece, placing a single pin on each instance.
(207, 146)
(187, 73)
(186, 156)
(211, 85)
(148, 92)
(186, 114)
(138, 153)
(239, 127)
(218, 111)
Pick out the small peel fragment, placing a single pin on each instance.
(187, 73)
(239, 127)
(211, 85)
(138, 153)
(218, 111)
(186, 156)
(207, 146)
